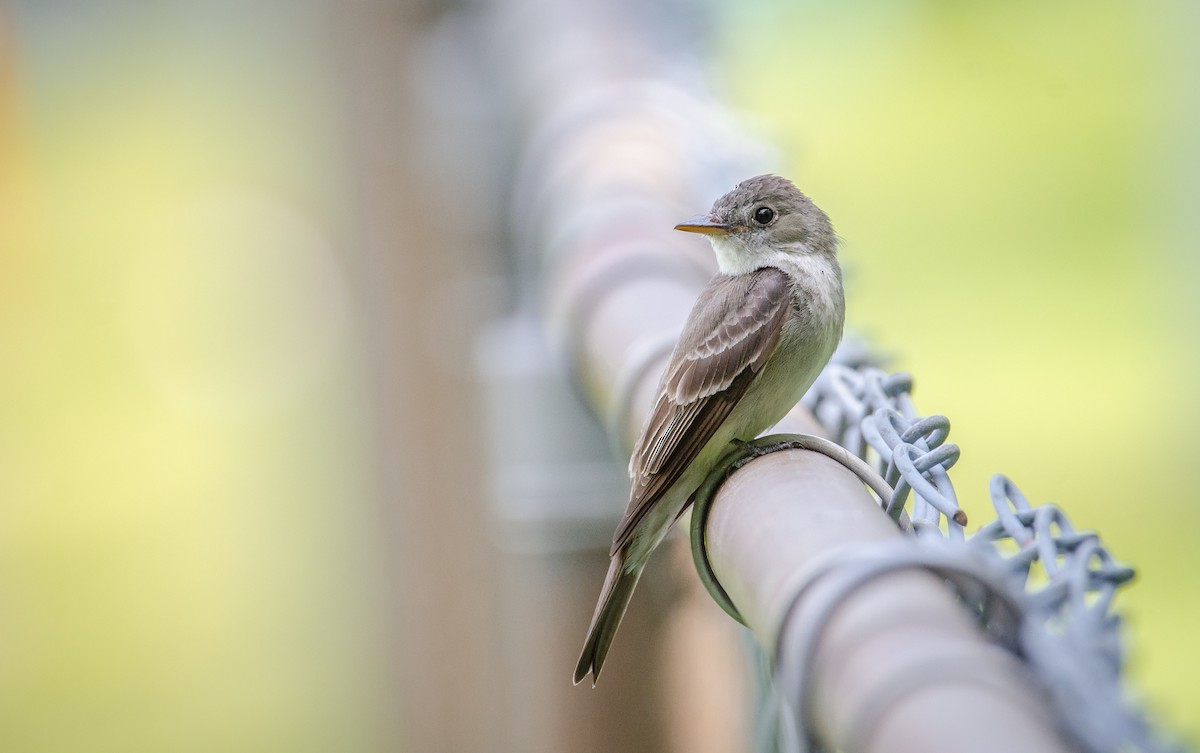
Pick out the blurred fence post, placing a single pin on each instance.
(448, 685)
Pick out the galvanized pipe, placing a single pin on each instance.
(899, 665)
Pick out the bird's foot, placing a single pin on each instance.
(751, 450)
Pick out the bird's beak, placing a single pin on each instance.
(705, 225)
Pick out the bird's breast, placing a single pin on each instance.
(803, 350)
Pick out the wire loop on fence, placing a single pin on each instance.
(741, 454)
(848, 570)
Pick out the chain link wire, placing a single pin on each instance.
(1038, 586)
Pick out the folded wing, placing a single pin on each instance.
(730, 334)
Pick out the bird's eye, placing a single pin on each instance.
(764, 215)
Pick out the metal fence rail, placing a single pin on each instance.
(1062, 629)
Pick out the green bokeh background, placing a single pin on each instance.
(1016, 187)
(186, 496)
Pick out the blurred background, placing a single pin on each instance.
(248, 253)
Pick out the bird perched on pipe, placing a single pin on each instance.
(754, 342)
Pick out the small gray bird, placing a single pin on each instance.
(756, 339)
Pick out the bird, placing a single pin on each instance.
(756, 339)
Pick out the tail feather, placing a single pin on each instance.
(614, 598)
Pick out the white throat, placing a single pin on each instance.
(733, 258)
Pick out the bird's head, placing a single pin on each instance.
(761, 219)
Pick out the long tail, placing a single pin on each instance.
(614, 598)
